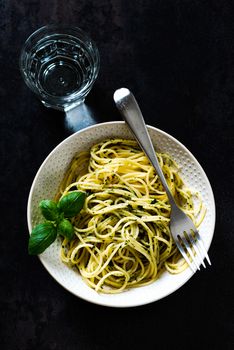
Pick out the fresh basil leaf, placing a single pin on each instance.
(49, 209)
(72, 203)
(66, 229)
(41, 238)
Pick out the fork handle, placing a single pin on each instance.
(131, 113)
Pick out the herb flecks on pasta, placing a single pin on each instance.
(122, 236)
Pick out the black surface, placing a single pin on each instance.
(178, 59)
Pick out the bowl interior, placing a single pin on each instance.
(48, 179)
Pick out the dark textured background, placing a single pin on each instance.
(177, 56)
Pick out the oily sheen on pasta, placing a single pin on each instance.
(122, 236)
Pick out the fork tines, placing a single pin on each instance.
(192, 249)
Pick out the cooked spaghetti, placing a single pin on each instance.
(122, 236)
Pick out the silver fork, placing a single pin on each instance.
(182, 228)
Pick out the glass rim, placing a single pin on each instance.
(56, 28)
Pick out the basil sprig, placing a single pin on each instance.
(57, 222)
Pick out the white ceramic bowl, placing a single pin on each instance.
(48, 179)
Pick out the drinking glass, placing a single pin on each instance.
(60, 65)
